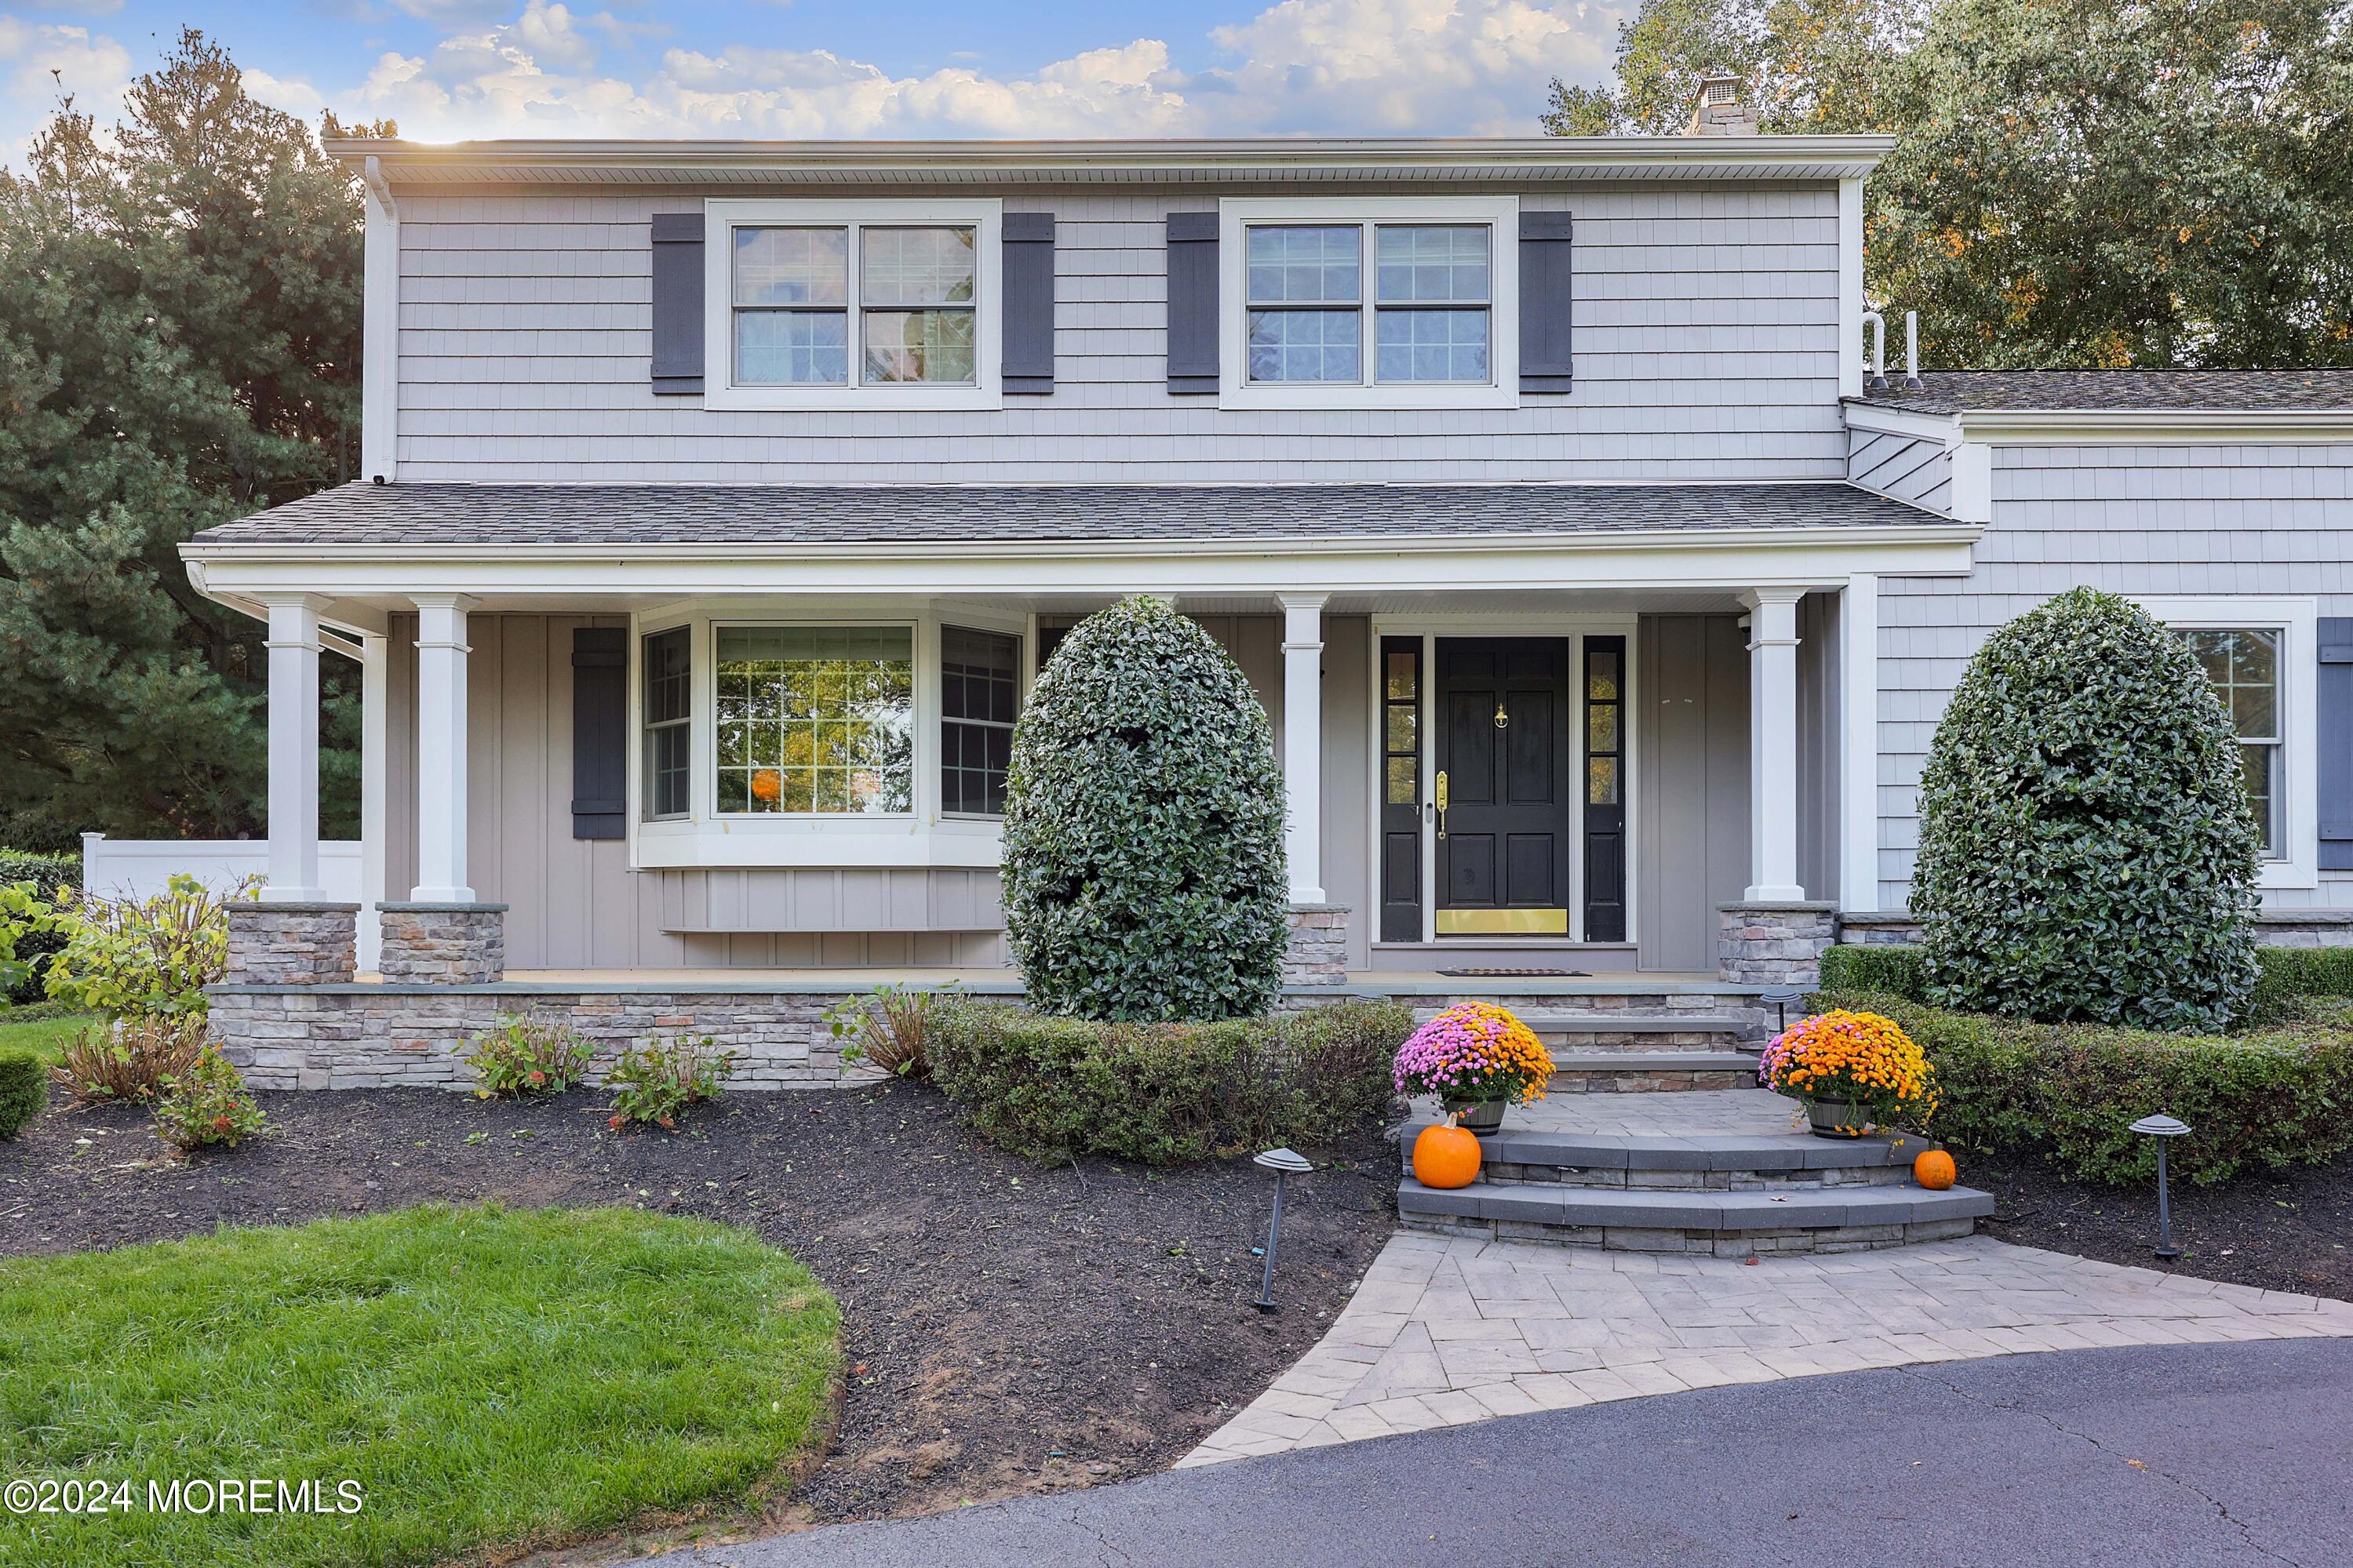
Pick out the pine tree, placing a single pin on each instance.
(179, 346)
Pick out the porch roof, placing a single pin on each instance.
(602, 516)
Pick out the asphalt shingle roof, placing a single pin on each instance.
(425, 514)
(1957, 391)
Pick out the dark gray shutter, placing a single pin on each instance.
(1192, 304)
(678, 303)
(1028, 303)
(2335, 693)
(600, 741)
(1544, 294)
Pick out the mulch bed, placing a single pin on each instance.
(2292, 1230)
(1006, 1329)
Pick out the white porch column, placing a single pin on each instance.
(1303, 743)
(294, 644)
(441, 749)
(375, 673)
(1859, 744)
(1773, 745)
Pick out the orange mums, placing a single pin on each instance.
(1860, 1057)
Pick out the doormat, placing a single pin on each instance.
(1516, 973)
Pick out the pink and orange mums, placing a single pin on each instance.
(1473, 1052)
(1863, 1058)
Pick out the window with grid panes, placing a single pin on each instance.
(980, 696)
(1431, 302)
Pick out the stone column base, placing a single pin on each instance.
(444, 944)
(1773, 943)
(292, 944)
(1318, 952)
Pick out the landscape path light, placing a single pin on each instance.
(2164, 1129)
(1283, 1162)
(1782, 997)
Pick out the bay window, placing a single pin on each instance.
(814, 720)
(667, 709)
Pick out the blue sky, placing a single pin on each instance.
(452, 69)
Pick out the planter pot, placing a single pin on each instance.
(1838, 1118)
(1480, 1116)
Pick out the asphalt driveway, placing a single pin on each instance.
(2157, 1457)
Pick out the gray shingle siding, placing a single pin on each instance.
(2248, 518)
(1705, 349)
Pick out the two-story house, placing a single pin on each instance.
(723, 500)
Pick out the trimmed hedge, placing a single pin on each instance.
(1051, 1088)
(24, 1088)
(2287, 975)
(2270, 1098)
(1894, 967)
(2087, 850)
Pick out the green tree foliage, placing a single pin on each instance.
(2087, 849)
(1145, 876)
(2074, 183)
(179, 346)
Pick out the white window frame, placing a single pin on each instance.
(2297, 620)
(914, 629)
(1236, 214)
(926, 836)
(984, 216)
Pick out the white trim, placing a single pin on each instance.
(1302, 743)
(1773, 745)
(1879, 419)
(1850, 285)
(1500, 213)
(1858, 629)
(2297, 619)
(380, 339)
(1973, 482)
(293, 733)
(2153, 427)
(1730, 557)
(442, 741)
(983, 214)
(375, 734)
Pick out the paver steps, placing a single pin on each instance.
(1730, 1172)
(1639, 1072)
(1605, 1028)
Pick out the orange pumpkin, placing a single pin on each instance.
(1446, 1156)
(1933, 1169)
(767, 783)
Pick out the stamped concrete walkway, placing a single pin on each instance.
(1446, 1331)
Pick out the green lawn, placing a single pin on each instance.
(489, 1378)
(46, 1035)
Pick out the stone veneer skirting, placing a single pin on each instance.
(447, 944)
(1318, 949)
(293, 944)
(1766, 944)
(1705, 1243)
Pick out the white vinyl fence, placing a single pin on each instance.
(139, 867)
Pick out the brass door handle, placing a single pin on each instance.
(1442, 802)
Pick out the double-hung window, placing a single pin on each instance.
(853, 304)
(2257, 652)
(1370, 302)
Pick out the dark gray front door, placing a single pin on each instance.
(1504, 708)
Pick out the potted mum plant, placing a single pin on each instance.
(1856, 1073)
(1477, 1060)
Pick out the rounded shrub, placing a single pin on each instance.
(2087, 848)
(1143, 861)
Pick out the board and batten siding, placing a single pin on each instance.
(574, 903)
(1691, 784)
(1705, 345)
(2214, 519)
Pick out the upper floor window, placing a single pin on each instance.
(1369, 303)
(835, 304)
(1429, 303)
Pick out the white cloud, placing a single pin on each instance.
(1370, 67)
(40, 62)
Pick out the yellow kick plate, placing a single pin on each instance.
(1502, 923)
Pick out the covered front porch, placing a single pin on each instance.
(1542, 741)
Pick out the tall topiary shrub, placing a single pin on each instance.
(2087, 849)
(1143, 862)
